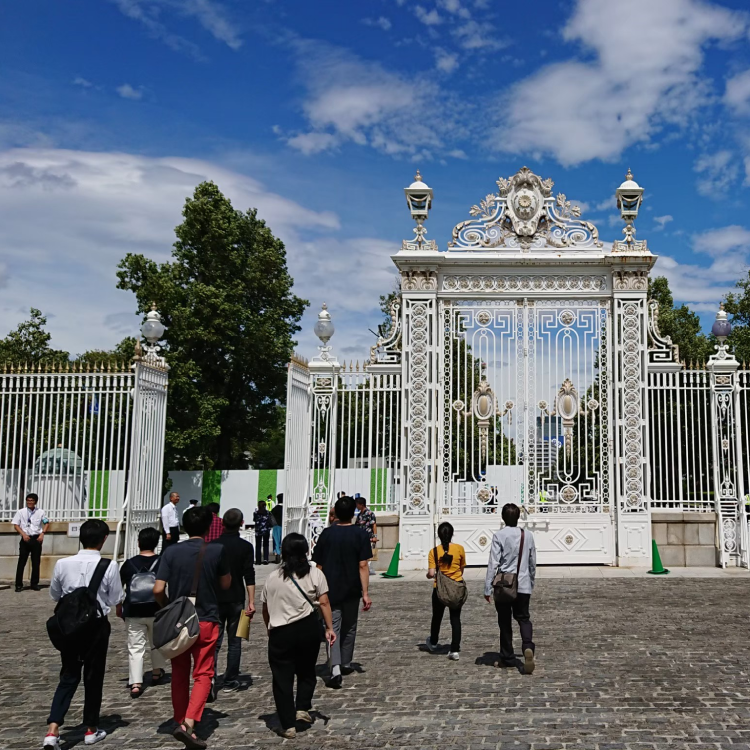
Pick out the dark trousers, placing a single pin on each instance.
(93, 661)
(31, 548)
(264, 537)
(229, 619)
(438, 609)
(174, 537)
(293, 651)
(344, 615)
(519, 610)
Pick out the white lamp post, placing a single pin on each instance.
(152, 330)
(419, 200)
(629, 198)
(324, 330)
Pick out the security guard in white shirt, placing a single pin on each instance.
(170, 522)
(31, 523)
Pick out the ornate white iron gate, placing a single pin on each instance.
(525, 415)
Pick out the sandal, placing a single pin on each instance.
(158, 680)
(136, 691)
(189, 740)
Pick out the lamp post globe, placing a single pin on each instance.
(324, 327)
(152, 329)
(419, 199)
(721, 327)
(629, 198)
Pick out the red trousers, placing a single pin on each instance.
(187, 705)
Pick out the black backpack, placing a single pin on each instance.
(78, 614)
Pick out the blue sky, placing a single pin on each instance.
(317, 113)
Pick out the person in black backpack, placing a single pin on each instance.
(138, 576)
(82, 635)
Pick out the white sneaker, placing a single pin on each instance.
(52, 741)
(304, 716)
(94, 737)
(429, 645)
(453, 655)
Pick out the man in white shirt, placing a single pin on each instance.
(170, 522)
(71, 573)
(31, 523)
(193, 504)
(504, 558)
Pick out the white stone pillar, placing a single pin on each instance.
(419, 394)
(629, 374)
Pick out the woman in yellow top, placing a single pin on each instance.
(451, 561)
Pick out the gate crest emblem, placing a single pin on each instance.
(523, 214)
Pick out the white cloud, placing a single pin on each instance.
(99, 206)
(209, 13)
(717, 173)
(644, 75)
(662, 221)
(350, 99)
(126, 91)
(428, 18)
(455, 8)
(737, 94)
(473, 35)
(79, 81)
(381, 22)
(445, 61)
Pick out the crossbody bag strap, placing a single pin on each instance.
(197, 573)
(299, 588)
(520, 555)
(98, 577)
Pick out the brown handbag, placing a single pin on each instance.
(505, 585)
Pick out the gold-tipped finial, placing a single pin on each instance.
(417, 177)
(153, 306)
(629, 175)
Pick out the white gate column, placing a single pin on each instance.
(419, 409)
(630, 331)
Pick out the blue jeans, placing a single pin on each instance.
(277, 540)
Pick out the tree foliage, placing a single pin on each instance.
(681, 324)
(737, 304)
(226, 300)
(29, 343)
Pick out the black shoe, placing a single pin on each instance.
(211, 693)
(347, 670)
(335, 682)
(265, 562)
(36, 588)
(19, 588)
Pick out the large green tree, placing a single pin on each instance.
(681, 324)
(226, 300)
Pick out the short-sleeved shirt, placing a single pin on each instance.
(339, 551)
(278, 513)
(177, 567)
(285, 603)
(366, 519)
(30, 522)
(457, 563)
(137, 564)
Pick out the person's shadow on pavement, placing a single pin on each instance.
(73, 736)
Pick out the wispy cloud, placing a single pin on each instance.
(211, 15)
(661, 222)
(445, 61)
(717, 173)
(428, 18)
(737, 94)
(126, 91)
(381, 22)
(82, 82)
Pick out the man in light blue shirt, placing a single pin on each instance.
(506, 544)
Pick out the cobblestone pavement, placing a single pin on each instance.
(622, 663)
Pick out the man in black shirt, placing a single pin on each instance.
(342, 553)
(238, 554)
(175, 578)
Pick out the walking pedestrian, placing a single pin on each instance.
(170, 522)
(366, 518)
(278, 516)
(294, 630)
(89, 654)
(238, 554)
(262, 521)
(504, 558)
(342, 553)
(216, 529)
(32, 524)
(450, 563)
(174, 578)
(138, 575)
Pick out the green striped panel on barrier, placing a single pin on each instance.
(211, 487)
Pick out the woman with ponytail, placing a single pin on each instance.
(451, 561)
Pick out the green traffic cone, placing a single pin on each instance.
(392, 571)
(657, 569)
